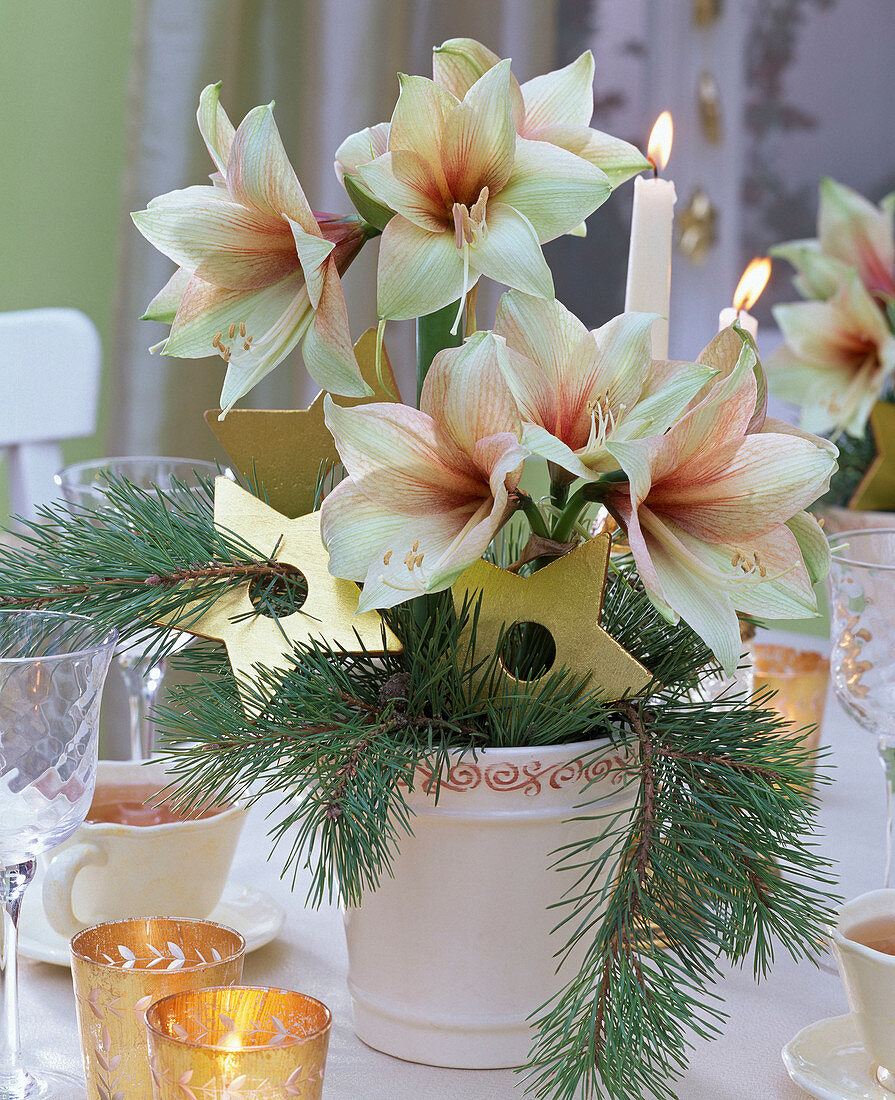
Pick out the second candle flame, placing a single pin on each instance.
(658, 149)
(753, 282)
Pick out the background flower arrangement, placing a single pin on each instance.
(471, 176)
(838, 359)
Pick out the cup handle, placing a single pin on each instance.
(59, 882)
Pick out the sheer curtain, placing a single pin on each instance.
(330, 65)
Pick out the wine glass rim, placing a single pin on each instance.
(66, 473)
(840, 536)
(108, 639)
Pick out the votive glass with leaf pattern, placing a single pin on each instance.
(119, 969)
(248, 1041)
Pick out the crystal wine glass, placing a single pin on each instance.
(52, 671)
(85, 484)
(862, 608)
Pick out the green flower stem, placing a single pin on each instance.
(532, 512)
(591, 492)
(433, 334)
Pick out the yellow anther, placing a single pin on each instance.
(386, 557)
(231, 331)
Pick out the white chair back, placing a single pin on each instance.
(50, 361)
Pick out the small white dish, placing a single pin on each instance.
(252, 912)
(828, 1061)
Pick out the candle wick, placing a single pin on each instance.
(654, 167)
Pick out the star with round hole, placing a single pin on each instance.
(876, 490)
(281, 450)
(327, 614)
(566, 598)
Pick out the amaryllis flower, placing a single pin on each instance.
(469, 196)
(837, 358)
(713, 512)
(852, 233)
(579, 390)
(427, 489)
(556, 107)
(258, 270)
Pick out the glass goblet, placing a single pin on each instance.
(85, 485)
(52, 671)
(862, 609)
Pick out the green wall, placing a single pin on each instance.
(63, 84)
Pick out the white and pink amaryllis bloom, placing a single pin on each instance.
(429, 488)
(837, 359)
(579, 390)
(555, 107)
(713, 510)
(852, 234)
(258, 271)
(469, 196)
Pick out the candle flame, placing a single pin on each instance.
(658, 149)
(753, 282)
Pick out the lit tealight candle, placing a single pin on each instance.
(747, 293)
(648, 288)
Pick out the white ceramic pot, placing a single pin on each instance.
(449, 957)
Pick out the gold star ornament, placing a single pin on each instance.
(328, 613)
(280, 450)
(565, 598)
(876, 489)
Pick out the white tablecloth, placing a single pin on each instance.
(743, 1065)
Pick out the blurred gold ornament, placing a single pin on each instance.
(708, 98)
(565, 598)
(876, 490)
(327, 614)
(705, 12)
(268, 1044)
(281, 450)
(696, 226)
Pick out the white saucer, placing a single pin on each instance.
(252, 912)
(828, 1061)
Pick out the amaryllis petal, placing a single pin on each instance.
(259, 174)
(215, 127)
(419, 117)
(312, 250)
(327, 349)
(419, 271)
(165, 304)
(510, 253)
(466, 390)
(860, 234)
(552, 449)
(459, 62)
(620, 160)
(544, 331)
(206, 310)
(407, 184)
(563, 97)
(222, 241)
(479, 138)
(554, 189)
(819, 275)
(361, 148)
(813, 545)
(400, 456)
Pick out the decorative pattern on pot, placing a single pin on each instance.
(449, 957)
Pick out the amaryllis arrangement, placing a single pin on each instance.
(707, 497)
(838, 356)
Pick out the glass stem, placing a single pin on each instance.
(13, 881)
(886, 746)
(142, 687)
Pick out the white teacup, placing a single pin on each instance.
(869, 978)
(111, 871)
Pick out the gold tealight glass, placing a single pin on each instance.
(269, 1044)
(119, 968)
(800, 678)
